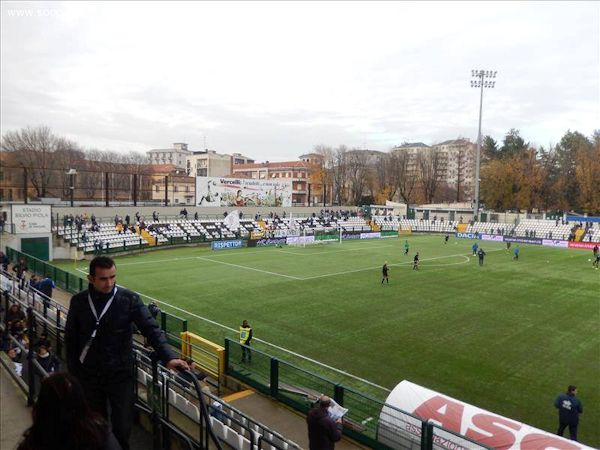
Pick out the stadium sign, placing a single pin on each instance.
(374, 235)
(29, 219)
(467, 235)
(584, 245)
(266, 241)
(238, 192)
(470, 421)
(347, 236)
(491, 237)
(523, 240)
(225, 245)
(554, 243)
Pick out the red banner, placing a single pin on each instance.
(584, 245)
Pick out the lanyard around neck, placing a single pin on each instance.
(87, 346)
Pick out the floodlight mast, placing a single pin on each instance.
(479, 82)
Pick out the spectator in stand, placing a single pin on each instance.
(196, 215)
(13, 315)
(98, 338)
(20, 269)
(45, 286)
(4, 261)
(127, 220)
(47, 360)
(323, 431)
(62, 419)
(43, 340)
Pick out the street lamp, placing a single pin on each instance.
(72, 173)
(480, 79)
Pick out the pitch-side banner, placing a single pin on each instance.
(584, 245)
(475, 423)
(238, 192)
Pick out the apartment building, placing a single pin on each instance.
(456, 163)
(177, 155)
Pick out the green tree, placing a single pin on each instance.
(567, 150)
(513, 144)
(489, 148)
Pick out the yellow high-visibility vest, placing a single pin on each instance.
(244, 334)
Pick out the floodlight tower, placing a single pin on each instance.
(479, 81)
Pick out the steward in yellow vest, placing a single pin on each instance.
(245, 338)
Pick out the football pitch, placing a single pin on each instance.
(507, 336)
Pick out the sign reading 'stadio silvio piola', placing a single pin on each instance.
(475, 423)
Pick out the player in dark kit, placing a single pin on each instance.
(416, 262)
(384, 272)
(446, 238)
(596, 262)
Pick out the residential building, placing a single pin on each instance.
(208, 163)
(237, 158)
(176, 155)
(170, 184)
(456, 163)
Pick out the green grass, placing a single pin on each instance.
(507, 337)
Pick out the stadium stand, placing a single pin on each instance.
(231, 426)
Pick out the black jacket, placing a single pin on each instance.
(323, 432)
(110, 354)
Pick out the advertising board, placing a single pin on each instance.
(491, 237)
(226, 245)
(523, 240)
(475, 423)
(239, 192)
(583, 245)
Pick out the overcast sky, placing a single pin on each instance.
(273, 79)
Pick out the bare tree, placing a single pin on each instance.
(339, 170)
(41, 155)
(357, 174)
(429, 170)
(403, 177)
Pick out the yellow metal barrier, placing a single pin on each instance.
(462, 227)
(209, 356)
(579, 234)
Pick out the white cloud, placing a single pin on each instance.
(273, 79)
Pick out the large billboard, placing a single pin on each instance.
(239, 192)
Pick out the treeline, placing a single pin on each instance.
(46, 157)
(563, 177)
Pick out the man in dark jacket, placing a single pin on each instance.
(98, 338)
(569, 407)
(323, 431)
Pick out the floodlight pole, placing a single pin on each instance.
(478, 76)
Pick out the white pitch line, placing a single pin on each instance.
(249, 268)
(156, 261)
(395, 264)
(283, 349)
(332, 251)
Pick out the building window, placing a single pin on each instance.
(175, 188)
(202, 172)
(156, 188)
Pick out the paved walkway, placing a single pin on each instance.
(15, 416)
(285, 421)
